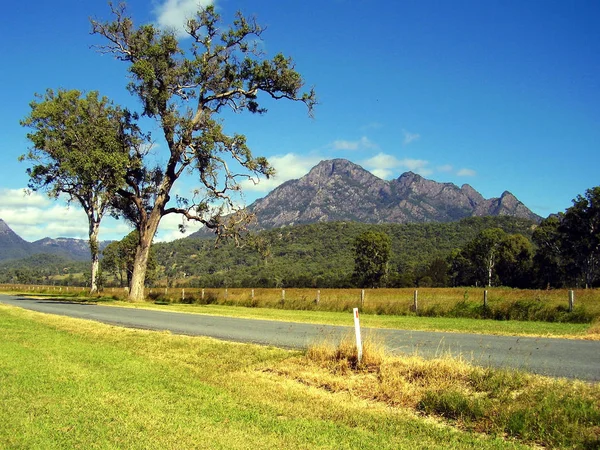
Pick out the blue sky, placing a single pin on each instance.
(502, 95)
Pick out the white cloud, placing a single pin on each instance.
(385, 166)
(466, 173)
(410, 137)
(287, 167)
(444, 168)
(364, 143)
(35, 216)
(173, 14)
(168, 229)
(371, 126)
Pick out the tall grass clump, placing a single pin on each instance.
(534, 409)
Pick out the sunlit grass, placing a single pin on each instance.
(535, 409)
(69, 383)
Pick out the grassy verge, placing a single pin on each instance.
(537, 410)
(69, 383)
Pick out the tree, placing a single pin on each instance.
(483, 252)
(184, 90)
(372, 251)
(514, 267)
(81, 148)
(580, 229)
(118, 258)
(548, 261)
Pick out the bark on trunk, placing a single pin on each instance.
(95, 266)
(93, 235)
(138, 278)
(140, 265)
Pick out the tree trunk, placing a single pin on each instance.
(140, 265)
(138, 278)
(93, 235)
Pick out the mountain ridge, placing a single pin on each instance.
(12, 246)
(339, 189)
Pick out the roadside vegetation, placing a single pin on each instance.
(452, 307)
(74, 383)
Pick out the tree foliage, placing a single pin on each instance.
(580, 231)
(119, 256)
(185, 89)
(80, 148)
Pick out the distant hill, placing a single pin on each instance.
(319, 253)
(12, 246)
(339, 190)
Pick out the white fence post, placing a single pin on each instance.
(571, 300)
(358, 337)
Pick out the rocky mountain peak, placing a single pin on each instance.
(4, 228)
(339, 190)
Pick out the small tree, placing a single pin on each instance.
(483, 252)
(372, 252)
(183, 89)
(580, 230)
(81, 147)
(118, 259)
(549, 264)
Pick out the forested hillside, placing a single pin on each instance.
(319, 254)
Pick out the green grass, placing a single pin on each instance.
(69, 383)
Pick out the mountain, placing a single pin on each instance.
(12, 246)
(339, 190)
(77, 249)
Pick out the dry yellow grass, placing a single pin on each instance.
(554, 413)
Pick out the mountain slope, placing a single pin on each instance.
(12, 246)
(341, 190)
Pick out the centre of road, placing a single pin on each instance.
(545, 356)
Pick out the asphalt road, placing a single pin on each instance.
(553, 357)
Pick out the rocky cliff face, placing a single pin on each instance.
(339, 190)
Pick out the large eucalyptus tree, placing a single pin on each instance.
(80, 148)
(185, 89)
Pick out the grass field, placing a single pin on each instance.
(69, 383)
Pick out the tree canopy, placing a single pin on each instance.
(185, 89)
(80, 148)
(372, 251)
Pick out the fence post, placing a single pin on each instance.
(282, 295)
(416, 302)
(225, 293)
(182, 294)
(362, 298)
(202, 293)
(571, 300)
(318, 296)
(358, 336)
(166, 291)
(485, 298)
(252, 294)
